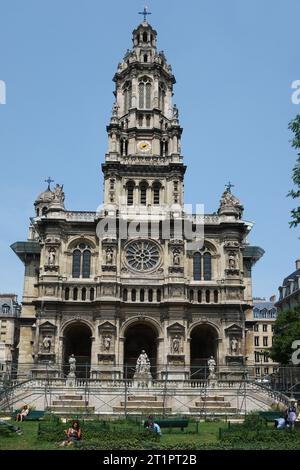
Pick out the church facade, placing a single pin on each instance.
(138, 274)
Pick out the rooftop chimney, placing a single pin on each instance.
(297, 263)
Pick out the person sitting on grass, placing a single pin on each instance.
(280, 423)
(73, 434)
(11, 427)
(149, 422)
(23, 413)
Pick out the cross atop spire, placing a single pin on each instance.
(228, 186)
(145, 13)
(49, 181)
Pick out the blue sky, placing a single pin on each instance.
(234, 62)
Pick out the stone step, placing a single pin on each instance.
(206, 404)
(70, 397)
(198, 409)
(72, 409)
(142, 397)
(70, 402)
(156, 409)
(143, 403)
(212, 398)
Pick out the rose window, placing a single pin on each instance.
(142, 255)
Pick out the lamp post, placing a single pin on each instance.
(261, 353)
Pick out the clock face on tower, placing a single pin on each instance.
(144, 146)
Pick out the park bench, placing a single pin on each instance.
(270, 416)
(33, 415)
(173, 423)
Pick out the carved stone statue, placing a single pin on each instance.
(109, 256)
(72, 363)
(229, 204)
(234, 346)
(47, 344)
(175, 112)
(107, 342)
(142, 363)
(176, 258)
(51, 257)
(211, 367)
(176, 344)
(232, 262)
(115, 109)
(58, 194)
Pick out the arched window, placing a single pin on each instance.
(161, 97)
(156, 193)
(92, 294)
(207, 266)
(142, 295)
(127, 92)
(44, 210)
(125, 295)
(83, 294)
(158, 295)
(207, 296)
(191, 295)
(133, 295)
(75, 293)
(67, 293)
(145, 93)
(216, 297)
(143, 193)
(5, 309)
(130, 188)
(86, 264)
(197, 266)
(38, 212)
(145, 58)
(145, 36)
(150, 295)
(199, 296)
(148, 95)
(76, 263)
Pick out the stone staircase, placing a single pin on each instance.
(142, 404)
(68, 404)
(213, 405)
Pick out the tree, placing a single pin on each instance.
(286, 330)
(294, 126)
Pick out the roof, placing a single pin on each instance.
(292, 276)
(265, 304)
(9, 308)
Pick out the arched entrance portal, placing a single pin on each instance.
(139, 336)
(77, 341)
(204, 344)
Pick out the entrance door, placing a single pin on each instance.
(78, 342)
(204, 344)
(138, 337)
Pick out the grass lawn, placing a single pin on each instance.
(207, 433)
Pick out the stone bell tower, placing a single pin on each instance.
(143, 165)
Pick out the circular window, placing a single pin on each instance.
(142, 255)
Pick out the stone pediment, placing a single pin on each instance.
(47, 326)
(234, 329)
(176, 328)
(107, 326)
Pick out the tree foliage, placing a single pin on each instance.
(294, 126)
(286, 330)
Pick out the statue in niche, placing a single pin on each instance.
(234, 345)
(107, 342)
(72, 363)
(109, 256)
(46, 344)
(176, 344)
(176, 258)
(51, 257)
(232, 261)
